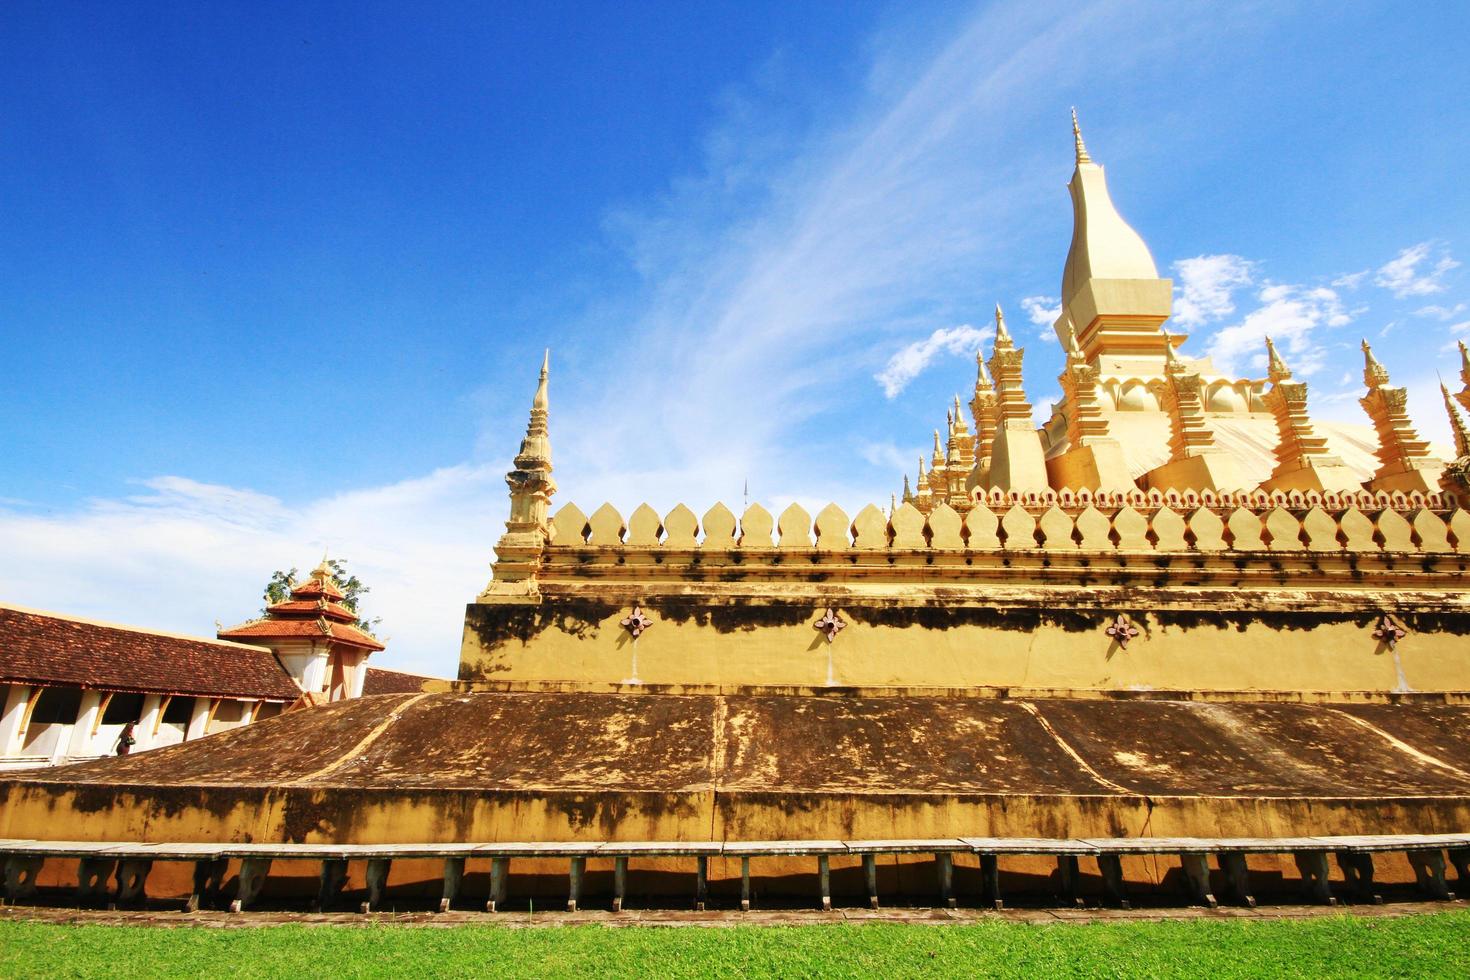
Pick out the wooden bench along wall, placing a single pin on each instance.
(128, 864)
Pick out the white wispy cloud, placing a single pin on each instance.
(1403, 276)
(1043, 311)
(1437, 312)
(910, 360)
(181, 554)
(1289, 315)
(1205, 287)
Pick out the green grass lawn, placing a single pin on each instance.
(1427, 945)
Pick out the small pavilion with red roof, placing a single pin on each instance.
(315, 637)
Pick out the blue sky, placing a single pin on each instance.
(276, 277)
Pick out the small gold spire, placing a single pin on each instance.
(1002, 335)
(540, 400)
(1082, 156)
(982, 376)
(1457, 424)
(1276, 369)
(1375, 375)
(1464, 363)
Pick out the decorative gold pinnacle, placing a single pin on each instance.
(1457, 423)
(1276, 369)
(1082, 156)
(1375, 375)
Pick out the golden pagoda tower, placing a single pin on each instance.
(1405, 461)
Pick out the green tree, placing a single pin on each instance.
(278, 589)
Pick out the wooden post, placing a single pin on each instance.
(745, 883)
(1110, 866)
(92, 875)
(990, 879)
(499, 872)
(253, 872)
(329, 885)
(870, 874)
(377, 877)
(1197, 879)
(577, 866)
(1313, 867)
(701, 882)
(944, 865)
(620, 882)
(1237, 877)
(1067, 879)
(824, 881)
(1357, 871)
(1429, 870)
(453, 880)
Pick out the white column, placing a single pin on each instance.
(145, 730)
(198, 720)
(314, 676)
(80, 742)
(16, 701)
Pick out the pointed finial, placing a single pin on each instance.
(540, 400)
(1001, 333)
(1375, 375)
(957, 416)
(1082, 156)
(908, 493)
(892, 505)
(921, 469)
(1464, 363)
(1457, 423)
(1276, 369)
(982, 377)
(937, 454)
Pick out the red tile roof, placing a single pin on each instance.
(314, 608)
(380, 681)
(319, 584)
(45, 648)
(285, 629)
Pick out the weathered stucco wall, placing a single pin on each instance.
(1308, 642)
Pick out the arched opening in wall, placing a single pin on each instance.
(54, 713)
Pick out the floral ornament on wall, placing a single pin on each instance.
(1388, 631)
(1122, 630)
(636, 621)
(831, 624)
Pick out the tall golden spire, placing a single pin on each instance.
(531, 486)
(1303, 459)
(1405, 460)
(1082, 156)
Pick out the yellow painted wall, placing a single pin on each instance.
(1268, 655)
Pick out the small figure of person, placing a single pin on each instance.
(125, 741)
